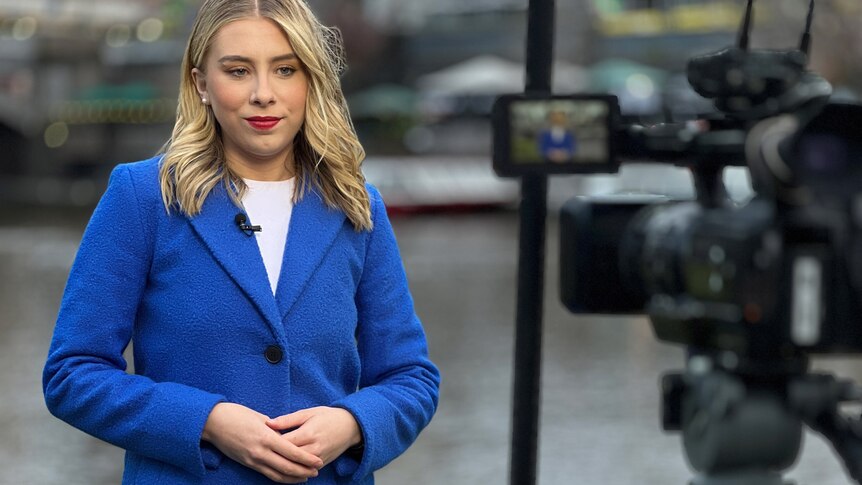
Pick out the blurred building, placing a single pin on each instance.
(84, 85)
(665, 33)
(658, 32)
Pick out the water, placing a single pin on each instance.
(600, 397)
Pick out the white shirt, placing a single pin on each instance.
(269, 205)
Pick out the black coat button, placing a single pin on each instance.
(273, 354)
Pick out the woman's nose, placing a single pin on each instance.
(262, 94)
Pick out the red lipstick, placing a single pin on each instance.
(263, 123)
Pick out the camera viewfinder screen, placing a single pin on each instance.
(559, 131)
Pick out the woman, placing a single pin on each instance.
(256, 274)
(557, 142)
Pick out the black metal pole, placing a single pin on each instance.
(531, 265)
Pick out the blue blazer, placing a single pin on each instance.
(193, 297)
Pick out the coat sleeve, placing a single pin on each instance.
(398, 388)
(399, 385)
(85, 380)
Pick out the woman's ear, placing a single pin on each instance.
(200, 81)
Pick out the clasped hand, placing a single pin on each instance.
(316, 437)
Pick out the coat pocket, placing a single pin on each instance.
(212, 457)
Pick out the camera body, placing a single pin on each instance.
(750, 289)
(757, 280)
(776, 277)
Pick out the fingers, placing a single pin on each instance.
(287, 474)
(279, 477)
(240, 433)
(270, 460)
(327, 434)
(295, 454)
(292, 420)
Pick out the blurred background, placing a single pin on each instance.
(88, 84)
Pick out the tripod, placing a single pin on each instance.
(742, 423)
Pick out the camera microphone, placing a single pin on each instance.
(241, 221)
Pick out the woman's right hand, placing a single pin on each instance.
(242, 435)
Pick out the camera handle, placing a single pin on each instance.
(747, 431)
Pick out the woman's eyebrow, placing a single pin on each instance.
(233, 58)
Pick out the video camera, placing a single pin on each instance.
(752, 289)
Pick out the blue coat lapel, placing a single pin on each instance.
(237, 253)
(313, 229)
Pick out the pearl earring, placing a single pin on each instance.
(204, 100)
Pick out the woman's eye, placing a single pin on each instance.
(238, 72)
(286, 70)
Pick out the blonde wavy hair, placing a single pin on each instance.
(327, 151)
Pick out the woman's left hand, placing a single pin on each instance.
(323, 431)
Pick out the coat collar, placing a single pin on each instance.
(313, 229)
